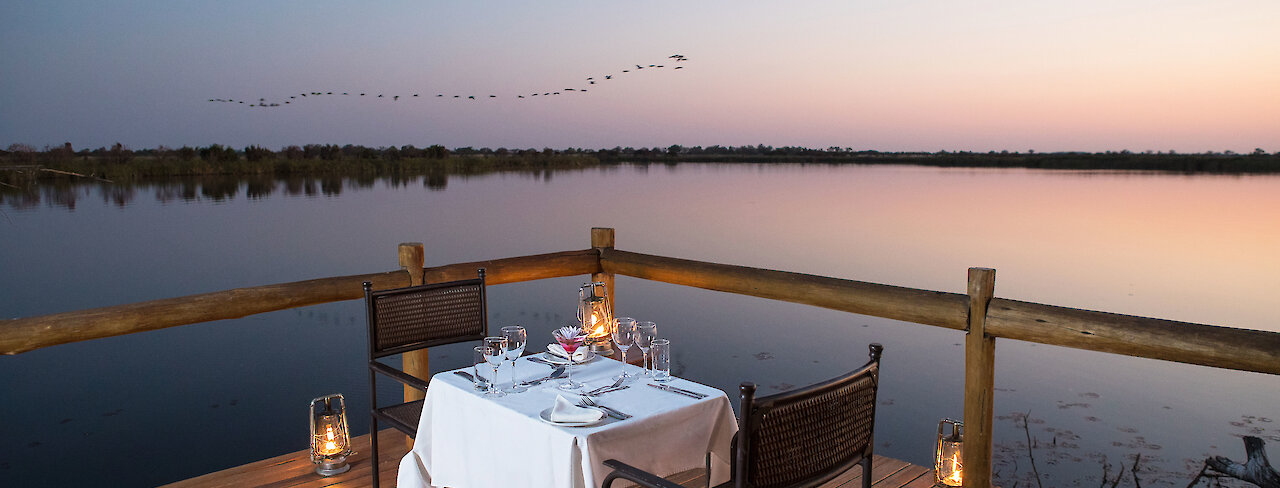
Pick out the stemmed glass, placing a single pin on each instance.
(624, 330)
(494, 353)
(570, 338)
(644, 334)
(516, 339)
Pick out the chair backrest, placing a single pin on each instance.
(808, 436)
(406, 319)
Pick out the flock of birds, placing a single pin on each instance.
(591, 80)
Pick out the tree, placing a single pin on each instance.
(294, 153)
(437, 151)
(119, 154)
(22, 153)
(258, 153)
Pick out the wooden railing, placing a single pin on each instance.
(983, 316)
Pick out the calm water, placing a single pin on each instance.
(160, 406)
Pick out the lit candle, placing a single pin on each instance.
(956, 469)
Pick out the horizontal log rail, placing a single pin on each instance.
(937, 308)
(1184, 342)
(27, 334)
(1222, 347)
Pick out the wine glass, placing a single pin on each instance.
(494, 353)
(623, 332)
(644, 334)
(570, 338)
(516, 338)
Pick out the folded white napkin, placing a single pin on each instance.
(578, 355)
(566, 411)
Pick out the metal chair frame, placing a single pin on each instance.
(750, 449)
(409, 319)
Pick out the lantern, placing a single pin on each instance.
(947, 462)
(330, 439)
(595, 313)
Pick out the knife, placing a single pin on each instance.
(613, 413)
(678, 391)
(470, 378)
(682, 390)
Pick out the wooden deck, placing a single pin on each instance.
(295, 470)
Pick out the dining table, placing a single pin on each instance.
(467, 439)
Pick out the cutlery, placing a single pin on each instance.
(678, 391)
(682, 390)
(607, 390)
(589, 403)
(539, 360)
(598, 390)
(554, 374)
(470, 378)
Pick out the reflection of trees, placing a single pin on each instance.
(66, 193)
(259, 188)
(331, 186)
(298, 185)
(220, 188)
(120, 195)
(22, 198)
(63, 195)
(170, 190)
(437, 180)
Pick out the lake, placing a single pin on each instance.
(160, 406)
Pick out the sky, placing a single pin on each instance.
(888, 75)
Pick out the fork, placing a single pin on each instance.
(603, 388)
(554, 375)
(588, 402)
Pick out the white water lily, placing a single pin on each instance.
(568, 332)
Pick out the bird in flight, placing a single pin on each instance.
(591, 80)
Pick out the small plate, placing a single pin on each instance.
(545, 415)
(552, 358)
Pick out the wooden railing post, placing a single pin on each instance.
(602, 238)
(413, 362)
(979, 381)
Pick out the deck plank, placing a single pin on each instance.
(294, 470)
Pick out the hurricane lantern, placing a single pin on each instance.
(330, 438)
(596, 315)
(947, 461)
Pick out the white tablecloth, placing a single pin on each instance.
(466, 440)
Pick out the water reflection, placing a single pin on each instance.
(1198, 248)
(221, 189)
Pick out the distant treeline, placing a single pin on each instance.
(119, 163)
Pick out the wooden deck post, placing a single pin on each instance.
(413, 362)
(979, 381)
(602, 238)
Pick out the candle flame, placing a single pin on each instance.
(956, 470)
(331, 445)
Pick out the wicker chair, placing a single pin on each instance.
(413, 318)
(800, 438)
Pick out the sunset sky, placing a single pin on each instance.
(925, 75)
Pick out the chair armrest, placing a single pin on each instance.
(398, 375)
(635, 475)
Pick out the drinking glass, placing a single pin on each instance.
(645, 333)
(624, 330)
(516, 339)
(570, 344)
(494, 353)
(661, 350)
